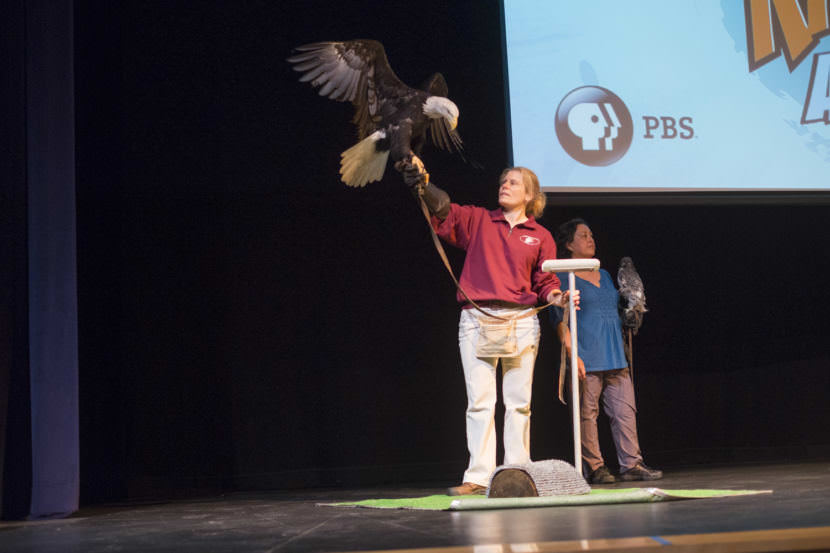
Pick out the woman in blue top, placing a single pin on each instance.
(602, 365)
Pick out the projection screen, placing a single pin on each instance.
(681, 96)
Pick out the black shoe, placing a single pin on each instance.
(641, 472)
(601, 476)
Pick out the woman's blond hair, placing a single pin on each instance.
(536, 205)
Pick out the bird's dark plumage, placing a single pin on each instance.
(392, 118)
(632, 295)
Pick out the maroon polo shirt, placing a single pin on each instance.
(502, 263)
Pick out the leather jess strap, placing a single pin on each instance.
(441, 252)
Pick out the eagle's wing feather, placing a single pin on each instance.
(355, 71)
(437, 137)
(440, 132)
(436, 85)
(449, 140)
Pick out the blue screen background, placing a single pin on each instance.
(674, 59)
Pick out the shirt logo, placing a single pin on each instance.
(529, 240)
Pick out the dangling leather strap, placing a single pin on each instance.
(443, 254)
(563, 360)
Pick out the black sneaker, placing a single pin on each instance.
(601, 476)
(641, 472)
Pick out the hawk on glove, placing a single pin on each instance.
(632, 295)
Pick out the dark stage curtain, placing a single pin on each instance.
(40, 366)
(13, 236)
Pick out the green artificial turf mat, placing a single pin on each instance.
(596, 497)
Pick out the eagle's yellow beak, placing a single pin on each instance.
(454, 124)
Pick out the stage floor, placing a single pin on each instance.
(292, 521)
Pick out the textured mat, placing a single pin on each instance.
(596, 497)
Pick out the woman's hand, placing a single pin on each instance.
(580, 364)
(559, 299)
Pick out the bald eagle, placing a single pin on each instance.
(392, 118)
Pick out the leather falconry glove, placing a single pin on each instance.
(417, 179)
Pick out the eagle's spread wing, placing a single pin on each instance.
(436, 85)
(355, 71)
(440, 132)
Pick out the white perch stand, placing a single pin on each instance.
(569, 266)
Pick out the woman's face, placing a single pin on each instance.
(512, 192)
(583, 245)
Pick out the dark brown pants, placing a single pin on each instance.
(615, 390)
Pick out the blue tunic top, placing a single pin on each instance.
(599, 329)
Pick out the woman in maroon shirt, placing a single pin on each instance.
(503, 274)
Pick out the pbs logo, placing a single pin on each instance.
(594, 126)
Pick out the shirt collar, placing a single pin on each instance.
(498, 215)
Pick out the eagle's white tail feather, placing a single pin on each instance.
(363, 163)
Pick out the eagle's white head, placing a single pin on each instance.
(438, 106)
